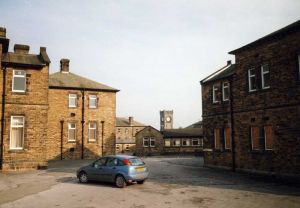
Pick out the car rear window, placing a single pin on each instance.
(136, 161)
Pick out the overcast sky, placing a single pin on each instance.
(154, 51)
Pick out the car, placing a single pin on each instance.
(118, 169)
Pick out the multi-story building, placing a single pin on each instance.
(24, 106)
(126, 130)
(82, 116)
(251, 112)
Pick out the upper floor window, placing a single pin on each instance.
(92, 101)
(19, 81)
(17, 132)
(92, 131)
(72, 100)
(265, 77)
(72, 132)
(215, 93)
(225, 91)
(252, 80)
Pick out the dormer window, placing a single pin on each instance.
(225, 91)
(19, 81)
(72, 100)
(265, 77)
(252, 80)
(215, 93)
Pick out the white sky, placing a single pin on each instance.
(154, 51)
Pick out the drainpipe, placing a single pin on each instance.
(61, 138)
(102, 133)
(232, 125)
(3, 116)
(82, 126)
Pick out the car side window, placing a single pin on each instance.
(100, 162)
(112, 162)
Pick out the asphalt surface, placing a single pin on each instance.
(173, 182)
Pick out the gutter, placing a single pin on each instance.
(3, 116)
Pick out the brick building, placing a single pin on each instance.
(126, 130)
(82, 116)
(257, 101)
(24, 106)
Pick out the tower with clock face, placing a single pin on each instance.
(166, 120)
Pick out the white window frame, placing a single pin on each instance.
(69, 128)
(16, 126)
(188, 142)
(152, 140)
(263, 73)
(214, 93)
(223, 90)
(22, 76)
(198, 140)
(177, 144)
(92, 129)
(93, 97)
(146, 139)
(250, 76)
(299, 65)
(169, 143)
(72, 96)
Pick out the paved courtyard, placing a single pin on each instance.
(173, 182)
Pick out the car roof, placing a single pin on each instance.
(122, 156)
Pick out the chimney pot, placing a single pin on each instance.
(130, 121)
(228, 62)
(64, 65)
(21, 49)
(3, 32)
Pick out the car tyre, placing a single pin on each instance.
(141, 182)
(83, 178)
(120, 181)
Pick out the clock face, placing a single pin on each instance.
(168, 119)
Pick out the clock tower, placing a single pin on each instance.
(166, 120)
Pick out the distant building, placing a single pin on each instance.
(166, 119)
(251, 118)
(126, 129)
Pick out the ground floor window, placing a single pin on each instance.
(152, 142)
(268, 130)
(167, 143)
(227, 137)
(146, 142)
(196, 142)
(72, 132)
(17, 132)
(217, 135)
(127, 148)
(185, 142)
(92, 131)
(176, 142)
(254, 134)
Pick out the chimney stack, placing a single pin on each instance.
(228, 62)
(2, 32)
(64, 65)
(21, 49)
(130, 121)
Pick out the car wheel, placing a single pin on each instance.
(83, 177)
(120, 181)
(140, 182)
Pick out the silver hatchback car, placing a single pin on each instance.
(119, 169)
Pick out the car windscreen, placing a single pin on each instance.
(136, 161)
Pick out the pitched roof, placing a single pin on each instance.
(60, 80)
(195, 125)
(279, 33)
(183, 133)
(120, 121)
(34, 60)
(222, 73)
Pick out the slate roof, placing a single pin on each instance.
(61, 80)
(183, 133)
(195, 125)
(125, 122)
(222, 73)
(279, 33)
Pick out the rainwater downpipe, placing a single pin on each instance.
(3, 116)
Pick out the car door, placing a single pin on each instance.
(97, 172)
(111, 169)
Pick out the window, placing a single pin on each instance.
(176, 142)
(92, 131)
(127, 148)
(152, 142)
(72, 132)
(227, 138)
(196, 142)
(265, 77)
(19, 81)
(72, 100)
(268, 137)
(217, 134)
(118, 147)
(92, 101)
(119, 130)
(167, 143)
(126, 131)
(255, 138)
(252, 80)
(225, 91)
(201, 142)
(17, 132)
(146, 142)
(185, 142)
(215, 93)
(299, 65)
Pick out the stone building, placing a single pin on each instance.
(149, 141)
(24, 106)
(81, 118)
(126, 130)
(166, 119)
(257, 126)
